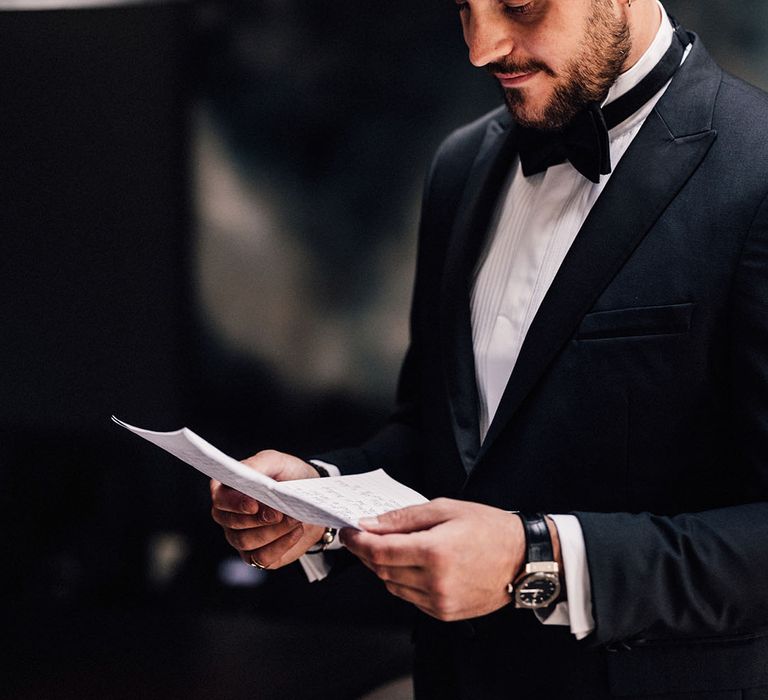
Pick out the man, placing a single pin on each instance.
(589, 336)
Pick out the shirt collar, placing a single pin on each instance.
(653, 54)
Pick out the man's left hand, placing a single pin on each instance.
(451, 559)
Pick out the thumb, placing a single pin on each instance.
(411, 519)
(280, 466)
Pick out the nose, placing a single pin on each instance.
(488, 36)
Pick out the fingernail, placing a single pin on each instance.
(269, 516)
(368, 522)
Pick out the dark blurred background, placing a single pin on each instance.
(207, 217)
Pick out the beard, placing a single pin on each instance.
(585, 79)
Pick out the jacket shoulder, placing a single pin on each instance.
(742, 144)
(745, 92)
(463, 144)
(456, 154)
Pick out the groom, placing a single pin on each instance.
(590, 348)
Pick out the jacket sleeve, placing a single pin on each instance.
(703, 574)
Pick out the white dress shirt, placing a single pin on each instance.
(534, 225)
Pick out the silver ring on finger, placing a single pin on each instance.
(256, 563)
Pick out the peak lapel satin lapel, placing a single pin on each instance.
(667, 150)
(473, 216)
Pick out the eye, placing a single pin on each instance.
(520, 9)
(512, 9)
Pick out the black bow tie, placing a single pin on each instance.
(584, 141)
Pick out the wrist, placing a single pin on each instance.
(519, 551)
(324, 468)
(317, 471)
(327, 538)
(539, 585)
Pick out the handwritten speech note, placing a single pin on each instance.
(337, 501)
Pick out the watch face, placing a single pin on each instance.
(537, 590)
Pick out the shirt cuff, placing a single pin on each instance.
(316, 566)
(576, 612)
(332, 469)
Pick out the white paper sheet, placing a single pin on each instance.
(337, 501)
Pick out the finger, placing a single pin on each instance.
(310, 537)
(441, 615)
(231, 500)
(254, 538)
(388, 550)
(411, 519)
(273, 552)
(411, 576)
(411, 595)
(241, 521)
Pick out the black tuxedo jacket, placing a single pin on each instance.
(639, 402)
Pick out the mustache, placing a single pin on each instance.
(509, 65)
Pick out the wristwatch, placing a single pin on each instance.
(539, 585)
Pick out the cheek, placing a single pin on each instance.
(554, 42)
(547, 49)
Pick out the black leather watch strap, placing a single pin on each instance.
(322, 471)
(537, 539)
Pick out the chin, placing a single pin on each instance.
(526, 113)
(545, 113)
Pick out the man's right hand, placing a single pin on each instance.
(260, 533)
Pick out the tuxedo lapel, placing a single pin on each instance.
(473, 216)
(669, 147)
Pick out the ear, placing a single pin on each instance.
(627, 8)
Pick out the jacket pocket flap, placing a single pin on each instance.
(636, 321)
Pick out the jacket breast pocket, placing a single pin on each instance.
(636, 322)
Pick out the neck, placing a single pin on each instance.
(644, 19)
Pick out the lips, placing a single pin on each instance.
(509, 80)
